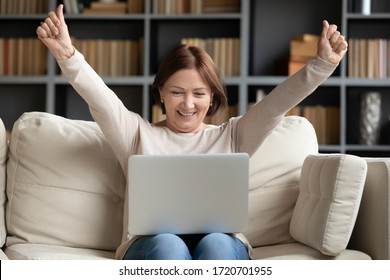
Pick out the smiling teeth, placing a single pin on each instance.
(186, 114)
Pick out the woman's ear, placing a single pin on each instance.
(161, 95)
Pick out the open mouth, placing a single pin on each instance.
(186, 114)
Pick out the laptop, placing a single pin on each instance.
(188, 194)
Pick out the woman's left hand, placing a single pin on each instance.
(332, 46)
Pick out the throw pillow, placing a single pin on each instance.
(331, 188)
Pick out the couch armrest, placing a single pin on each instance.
(3, 256)
(371, 233)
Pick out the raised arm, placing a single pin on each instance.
(53, 32)
(261, 119)
(117, 123)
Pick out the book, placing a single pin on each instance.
(368, 58)
(295, 66)
(304, 45)
(302, 49)
(106, 8)
(195, 6)
(326, 122)
(135, 6)
(112, 57)
(225, 52)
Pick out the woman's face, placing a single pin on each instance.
(187, 99)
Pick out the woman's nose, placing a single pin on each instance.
(188, 101)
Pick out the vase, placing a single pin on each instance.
(370, 118)
(366, 7)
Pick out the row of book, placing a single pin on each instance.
(20, 7)
(325, 120)
(113, 57)
(195, 6)
(22, 56)
(224, 51)
(369, 58)
(101, 7)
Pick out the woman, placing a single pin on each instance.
(188, 87)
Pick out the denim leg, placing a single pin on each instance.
(158, 247)
(220, 246)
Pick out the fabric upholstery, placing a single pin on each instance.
(274, 173)
(3, 159)
(372, 229)
(54, 252)
(65, 186)
(299, 251)
(328, 202)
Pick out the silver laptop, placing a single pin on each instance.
(188, 194)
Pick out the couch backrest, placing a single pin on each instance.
(274, 180)
(65, 186)
(3, 158)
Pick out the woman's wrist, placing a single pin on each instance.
(66, 53)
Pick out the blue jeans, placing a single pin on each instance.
(213, 246)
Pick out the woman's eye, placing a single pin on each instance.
(176, 92)
(199, 93)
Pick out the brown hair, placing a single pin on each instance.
(191, 57)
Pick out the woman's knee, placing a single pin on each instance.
(220, 246)
(158, 247)
(217, 240)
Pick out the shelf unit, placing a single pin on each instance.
(264, 28)
(355, 25)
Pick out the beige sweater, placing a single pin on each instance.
(129, 134)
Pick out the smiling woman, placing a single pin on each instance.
(196, 59)
(189, 88)
(187, 100)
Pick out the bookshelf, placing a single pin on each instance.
(372, 30)
(263, 28)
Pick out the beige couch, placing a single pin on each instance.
(62, 195)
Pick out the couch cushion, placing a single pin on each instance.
(65, 186)
(3, 158)
(274, 180)
(55, 252)
(328, 202)
(299, 251)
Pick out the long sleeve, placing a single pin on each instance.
(116, 122)
(262, 118)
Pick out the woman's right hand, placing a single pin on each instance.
(53, 32)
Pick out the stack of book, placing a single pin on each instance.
(302, 48)
(224, 51)
(22, 56)
(112, 57)
(195, 6)
(369, 58)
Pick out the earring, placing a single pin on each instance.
(162, 100)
